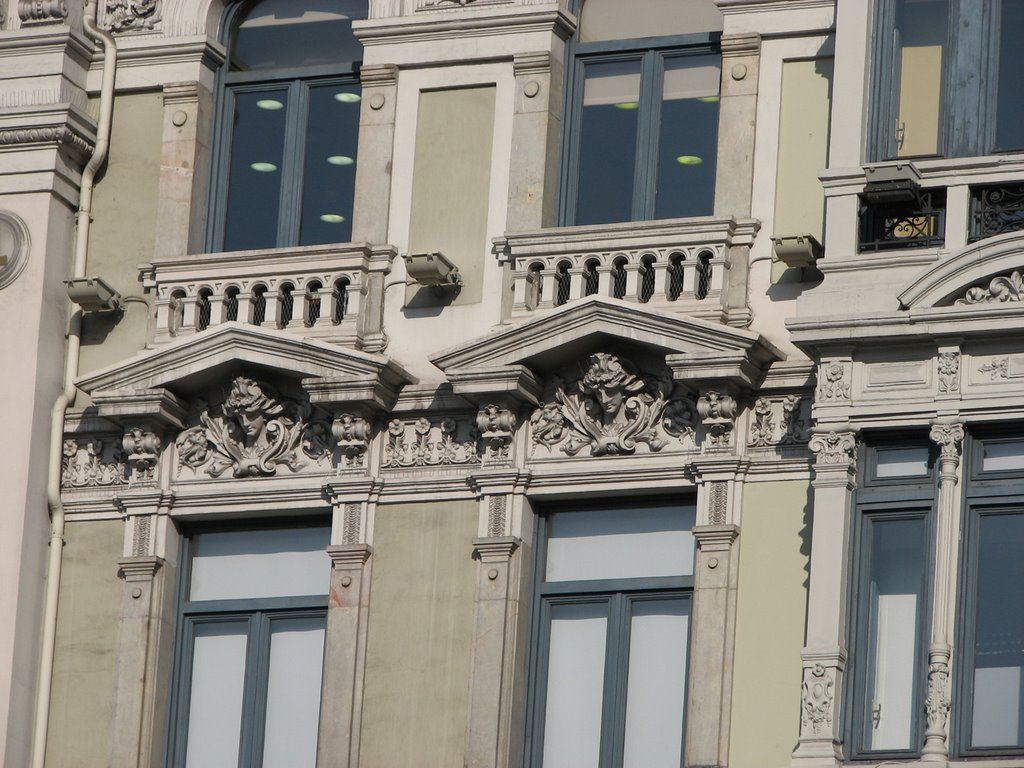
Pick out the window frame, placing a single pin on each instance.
(909, 497)
(619, 595)
(296, 82)
(258, 615)
(652, 53)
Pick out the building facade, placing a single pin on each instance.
(512, 383)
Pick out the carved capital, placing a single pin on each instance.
(949, 438)
(496, 426)
(347, 557)
(142, 448)
(834, 448)
(717, 411)
(352, 434)
(139, 568)
(495, 549)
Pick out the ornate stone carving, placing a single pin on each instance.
(425, 444)
(762, 428)
(496, 426)
(949, 371)
(436, 3)
(351, 523)
(948, 437)
(252, 433)
(92, 464)
(718, 503)
(818, 693)
(718, 413)
(1002, 289)
(834, 447)
(678, 420)
(59, 134)
(610, 409)
(996, 368)
(352, 434)
(132, 15)
(143, 451)
(937, 704)
(141, 534)
(496, 513)
(42, 11)
(832, 384)
(794, 426)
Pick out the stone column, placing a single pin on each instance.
(497, 681)
(143, 668)
(824, 654)
(354, 501)
(741, 55)
(949, 437)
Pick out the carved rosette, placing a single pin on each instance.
(718, 414)
(834, 447)
(132, 15)
(611, 409)
(817, 699)
(832, 383)
(93, 464)
(142, 449)
(496, 426)
(253, 433)
(948, 364)
(1000, 290)
(352, 434)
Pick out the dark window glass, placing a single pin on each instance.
(1010, 113)
(283, 34)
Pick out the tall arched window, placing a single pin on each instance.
(288, 125)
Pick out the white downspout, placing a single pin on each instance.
(82, 221)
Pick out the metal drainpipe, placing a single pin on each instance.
(83, 219)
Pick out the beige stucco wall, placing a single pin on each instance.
(418, 647)
(124, 227)
(83, 675)
(771, 601)
(451, 184)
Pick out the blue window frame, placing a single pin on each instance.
(641, 133)
(611, 626)
(251, 631)
(288, 125)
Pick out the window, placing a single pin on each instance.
(891, 590)
(250, 650)
(611, 630)
(289, 124)
(642, 130)
(945, 78)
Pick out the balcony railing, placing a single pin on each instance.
(318, 290)
(680, 264)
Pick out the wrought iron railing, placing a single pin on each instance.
(893, 226)
(996, 209)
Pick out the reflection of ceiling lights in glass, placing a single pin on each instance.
(340, 160)
(332, 218)
(628, 105)
(346, 97)
(271, 104)
(708, 99)
(689, 160)
(264, 167)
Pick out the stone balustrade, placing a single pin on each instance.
(679, 264)
(319, 291)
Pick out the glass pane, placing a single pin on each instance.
(253, 564)
(276, 34)
(901, 462)
(897, 599)
(254, 181)
(656, 693)
(329, 168)
(999, 633)
(688, 137)
(1003, 456)
(293, 692)
(215, 704)
(920, 36)
(620, 543)
(572, 714)
(611, 106)
(618, 20)
(1010, 116)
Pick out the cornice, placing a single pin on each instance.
(488, 21)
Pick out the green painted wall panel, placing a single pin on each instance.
(419, 641)
(770, 611)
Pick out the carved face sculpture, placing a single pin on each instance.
(608, 382)
(251, 406)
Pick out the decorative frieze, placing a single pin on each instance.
(610, 409)
(1000, 290)
(132, 15)
(832, 381)
(351, 524)
(93, 463)
(424, 443)
(834, 447)
(948, 364)
(42, 11)
(50, 134)
(817, 699)
(718, 503)
(497, 507)
(253, 432)
(778, 421)
(996, 368)
(496, 426)
(352, 434)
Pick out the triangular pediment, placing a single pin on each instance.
(693, 349)
(189, 364)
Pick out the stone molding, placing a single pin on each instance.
(38, 12)
(139, 569)
(495, 549)
(347, 557)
